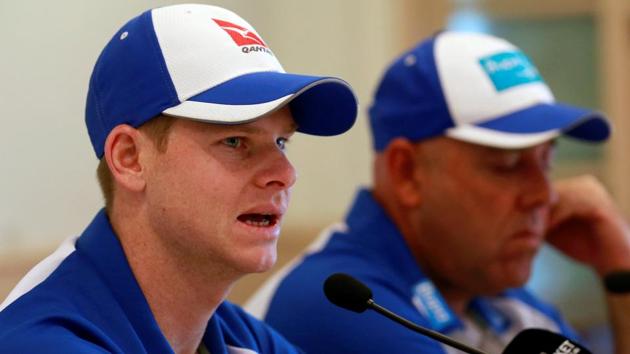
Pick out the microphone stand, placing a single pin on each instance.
(425, 331)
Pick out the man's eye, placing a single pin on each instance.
(508, 162)
(233, 142)
(282, 143)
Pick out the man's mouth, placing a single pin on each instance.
(259, 220)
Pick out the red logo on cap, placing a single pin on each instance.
(241, 35)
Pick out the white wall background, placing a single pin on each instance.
(48, 188)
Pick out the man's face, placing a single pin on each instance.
(483, 213)
(217, 195)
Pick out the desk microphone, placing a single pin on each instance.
(350, 294)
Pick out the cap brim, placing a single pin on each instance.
(535, 125)
(319, 105)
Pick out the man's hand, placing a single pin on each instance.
(586, 225)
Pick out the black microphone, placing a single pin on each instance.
(350, 294)
(539, 341)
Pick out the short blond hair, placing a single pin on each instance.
(157, 129)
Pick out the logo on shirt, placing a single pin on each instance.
(509, 69)
(243, 37)
(432, 306)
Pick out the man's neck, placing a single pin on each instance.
(457, 301)
(180, 295)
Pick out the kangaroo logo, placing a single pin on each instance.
(241, 35)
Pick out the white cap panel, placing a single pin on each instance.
(472, 67)
(207, 39)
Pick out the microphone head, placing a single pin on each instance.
(618, 282)
(538, 341)
(347, 292)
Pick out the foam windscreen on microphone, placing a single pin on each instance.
(539, 341)
(347, 292)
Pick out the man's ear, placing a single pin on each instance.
(401, 165)
(122, 153)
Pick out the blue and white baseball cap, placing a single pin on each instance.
(475, 88)
(205, 63)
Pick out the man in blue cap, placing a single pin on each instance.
(188, 111)
(463, 129)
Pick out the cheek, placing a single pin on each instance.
(475, 218)
(191, 210)
(192, 189)
(484, 203)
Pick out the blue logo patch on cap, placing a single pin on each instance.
(509, 69)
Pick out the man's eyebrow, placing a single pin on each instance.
(498, 151)
(552, 144)
(250, 129)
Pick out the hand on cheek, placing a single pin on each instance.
(586, 225)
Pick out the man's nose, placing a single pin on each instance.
(537, 189)
(279, 172)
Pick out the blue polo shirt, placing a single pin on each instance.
(91, 303)
(369, 247)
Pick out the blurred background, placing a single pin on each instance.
(48, 189)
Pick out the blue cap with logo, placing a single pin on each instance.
(475, 88)
(205, 63)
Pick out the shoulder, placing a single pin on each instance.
(51, 334)
(60, 315)
(300, 311)
(50, 345)
(310, 321)
(299, 286)
(69, 291)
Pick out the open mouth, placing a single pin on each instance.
(258, 220)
